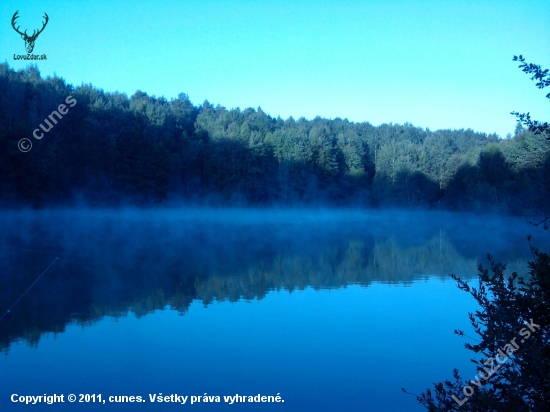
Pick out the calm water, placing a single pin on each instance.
(329, 310)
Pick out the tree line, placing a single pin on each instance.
(112, 149)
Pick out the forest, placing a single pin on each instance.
(108, 149)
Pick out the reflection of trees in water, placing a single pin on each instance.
(113, 264)
(436, 257)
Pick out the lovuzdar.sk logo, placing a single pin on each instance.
(29, 40)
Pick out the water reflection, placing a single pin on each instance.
(113, 262)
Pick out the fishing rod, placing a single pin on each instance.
(7, 314)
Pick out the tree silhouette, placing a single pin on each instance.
(513, 327)
(543, 80)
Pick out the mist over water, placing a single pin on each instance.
(140, 260)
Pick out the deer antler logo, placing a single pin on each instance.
(29, 40)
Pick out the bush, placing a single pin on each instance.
(513, 369)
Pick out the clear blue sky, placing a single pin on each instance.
(436, 64)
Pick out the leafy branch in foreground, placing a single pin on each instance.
(511, 376)
(543, 80)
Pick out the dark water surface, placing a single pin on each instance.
(332, 311)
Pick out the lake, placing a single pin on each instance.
(315, 310)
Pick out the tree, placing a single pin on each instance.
(513, 326)
(535, 126)
(519, 129)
